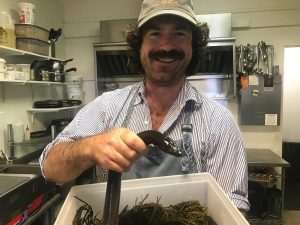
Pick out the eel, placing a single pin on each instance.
(113, 189)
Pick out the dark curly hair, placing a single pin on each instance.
(200, 39)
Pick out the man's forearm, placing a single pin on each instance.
(66, 161)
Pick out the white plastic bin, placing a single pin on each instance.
(171, 189)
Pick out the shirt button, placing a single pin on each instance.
(146, 122)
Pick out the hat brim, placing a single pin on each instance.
(167, 12)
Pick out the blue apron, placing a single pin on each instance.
(158, 163)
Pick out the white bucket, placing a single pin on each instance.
(26, 13)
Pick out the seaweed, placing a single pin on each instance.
(150, 213)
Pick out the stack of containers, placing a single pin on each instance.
(74, 87)
(30, 37)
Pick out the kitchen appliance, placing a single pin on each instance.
(21, 194)
(260, 104)
(290, 126)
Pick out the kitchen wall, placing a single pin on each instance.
(17, 98)
(275, 22)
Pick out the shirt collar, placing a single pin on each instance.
(187, 92)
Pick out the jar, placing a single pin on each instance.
(7, 31)
(25, 70)
(3, 68)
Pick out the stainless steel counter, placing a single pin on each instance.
(267, 159)
(264, 157)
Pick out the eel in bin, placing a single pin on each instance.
(113, 189)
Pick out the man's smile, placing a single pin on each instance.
(166, 60)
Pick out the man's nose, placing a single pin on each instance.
(167, 42)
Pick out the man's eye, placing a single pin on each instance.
(179, 33)
(154, 34)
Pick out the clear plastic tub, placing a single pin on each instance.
(33, 45)
(170, 189)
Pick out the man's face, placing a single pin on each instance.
(166, 49)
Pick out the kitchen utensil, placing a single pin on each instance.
(53, 37)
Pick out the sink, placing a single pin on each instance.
(20, 169)
(22, 159)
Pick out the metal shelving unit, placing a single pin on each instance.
(264, 169)
(13, 55)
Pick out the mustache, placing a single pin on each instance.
(173, 53)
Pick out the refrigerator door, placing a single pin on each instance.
(291, 95)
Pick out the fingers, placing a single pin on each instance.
(117, 149)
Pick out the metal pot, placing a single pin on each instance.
(58, 66)
(51, 65)
(35, 74)
(60, 77)
(45, 75)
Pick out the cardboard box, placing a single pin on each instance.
(171, 189)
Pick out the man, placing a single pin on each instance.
(164, 48)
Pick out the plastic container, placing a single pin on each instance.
(31, 31)
(10, 72)
(26, 13)
(7, 30)
(171, 190)
(25, 69)
(33, 45)
(75, 95)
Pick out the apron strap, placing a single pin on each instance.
(188, 162)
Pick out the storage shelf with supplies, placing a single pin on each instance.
(35, 111)
(47, 110)
(20, 56)
(23, 82)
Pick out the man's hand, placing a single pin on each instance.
(115, 150)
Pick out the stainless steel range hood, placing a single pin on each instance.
(217, 67)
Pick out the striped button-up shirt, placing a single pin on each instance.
(216, 140)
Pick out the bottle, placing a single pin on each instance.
(27, 134)
(18, 129)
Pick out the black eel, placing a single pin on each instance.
(113, 189)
